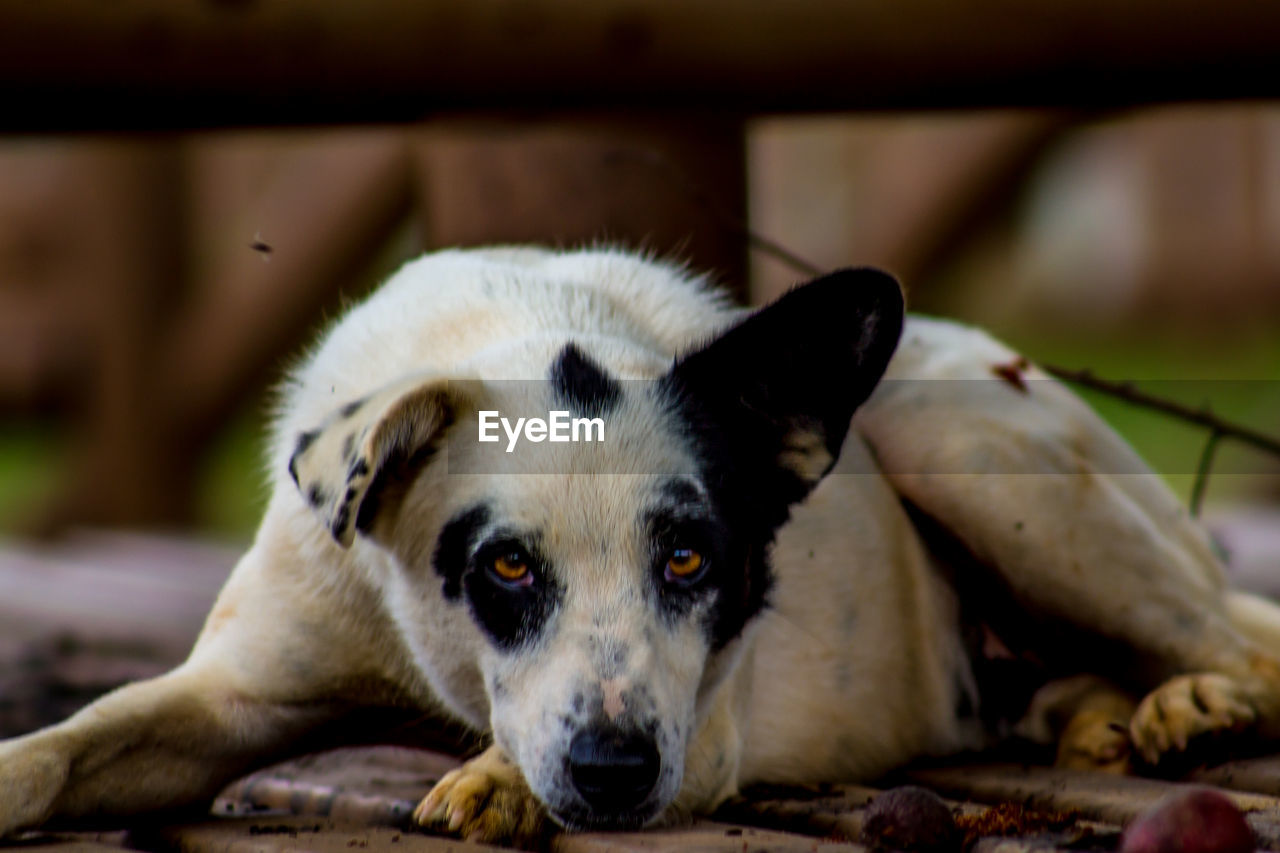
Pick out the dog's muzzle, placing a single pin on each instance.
(612, 770)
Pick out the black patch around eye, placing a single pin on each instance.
(747, 494)
(687, 523)
(512, 616)
(453, 548)
(582, 384)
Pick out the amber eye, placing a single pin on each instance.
(512, 568)
(683, 564)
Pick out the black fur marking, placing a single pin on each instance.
(305, 440)
(683, 520)
(316, 496)
(351, 408)
(806, 362)
(680, 493)
(453, 548)
(349, 447)
(583, 384)
(512, 616)
(340, 520)
(388, 485)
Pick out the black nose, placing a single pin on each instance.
(613, 771)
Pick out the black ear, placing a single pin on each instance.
(770, 400)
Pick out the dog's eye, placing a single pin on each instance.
(512, 568)
(684, 564)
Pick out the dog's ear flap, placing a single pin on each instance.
(341, 467)
(786, 381)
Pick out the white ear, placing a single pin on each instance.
(337, 465)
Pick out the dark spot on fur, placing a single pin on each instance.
(351, 408)
(582, 384)
(610, 655)
(453, 548)
(579, 702)
(349, 447)
(316, 496)
(1012, 372)
(358, 468)
(305, 440)
(340, 520)
(349, 496)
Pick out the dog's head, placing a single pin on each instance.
(587, 607)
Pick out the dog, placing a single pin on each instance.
(782, 548)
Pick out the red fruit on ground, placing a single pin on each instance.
(1200, 820)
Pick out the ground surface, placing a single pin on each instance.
(360, 799)
(96, 610)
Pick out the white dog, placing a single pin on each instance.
(726, 578)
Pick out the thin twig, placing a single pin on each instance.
(1202, 472)
(1202, 417)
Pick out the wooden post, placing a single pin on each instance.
(643, 184)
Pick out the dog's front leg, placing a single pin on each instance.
(486, 799)
(169, 742)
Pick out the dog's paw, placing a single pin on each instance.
(484, 800)
(1095, 740)
(1187, 706)
(30, 781)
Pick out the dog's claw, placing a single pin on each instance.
(1182, 708)
(1093, 741)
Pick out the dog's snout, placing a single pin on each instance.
(613, 770)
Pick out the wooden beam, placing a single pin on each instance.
(137, 64)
